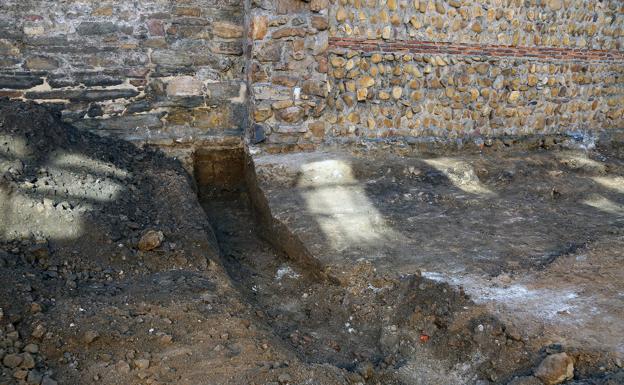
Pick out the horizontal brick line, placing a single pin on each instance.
(467, 49)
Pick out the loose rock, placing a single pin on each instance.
(12, 360)
(142, 364)
(555, 369)
(151, 240)
(91, 336)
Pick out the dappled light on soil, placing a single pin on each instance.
(52, 205)
(23, 217)
(341, 206)
(13, 147)
(604, 204)
(461, 174)
(80, 161)
(580, 160)
(615, 183)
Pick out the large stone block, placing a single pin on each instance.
(19, 81)
(90, 95)
(227, 30)
(184, 86)
(88, 28)
(130, 127)
(225, 91)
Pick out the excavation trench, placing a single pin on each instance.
(120, 272)
(271, 270)
(382, 329)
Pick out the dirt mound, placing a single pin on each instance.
(65, 190)
(39, 130)
(110, 271)
(74, 207)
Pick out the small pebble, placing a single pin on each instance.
(31, 348)
(122, 367)
(90, 336)
(141, 364)
(284, 378)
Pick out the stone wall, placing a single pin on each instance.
(462, 68)
(305, 72)
(379, 95)
(151, 69)
(287, 71)
(343, 70)
(595, 24)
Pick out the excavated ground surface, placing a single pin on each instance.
(345, 269)
(534, 237)
(357, 326)
(81, 303)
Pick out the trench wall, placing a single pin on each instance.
(154, 70)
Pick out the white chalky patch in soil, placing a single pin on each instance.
(545, 304)
(426, 369)
(286, 271)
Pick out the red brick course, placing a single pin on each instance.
(446, 48)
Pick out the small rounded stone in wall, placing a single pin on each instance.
(461, 94)
(292, 114)
(469, 21)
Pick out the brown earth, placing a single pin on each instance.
(74, 283)
(249, 294)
